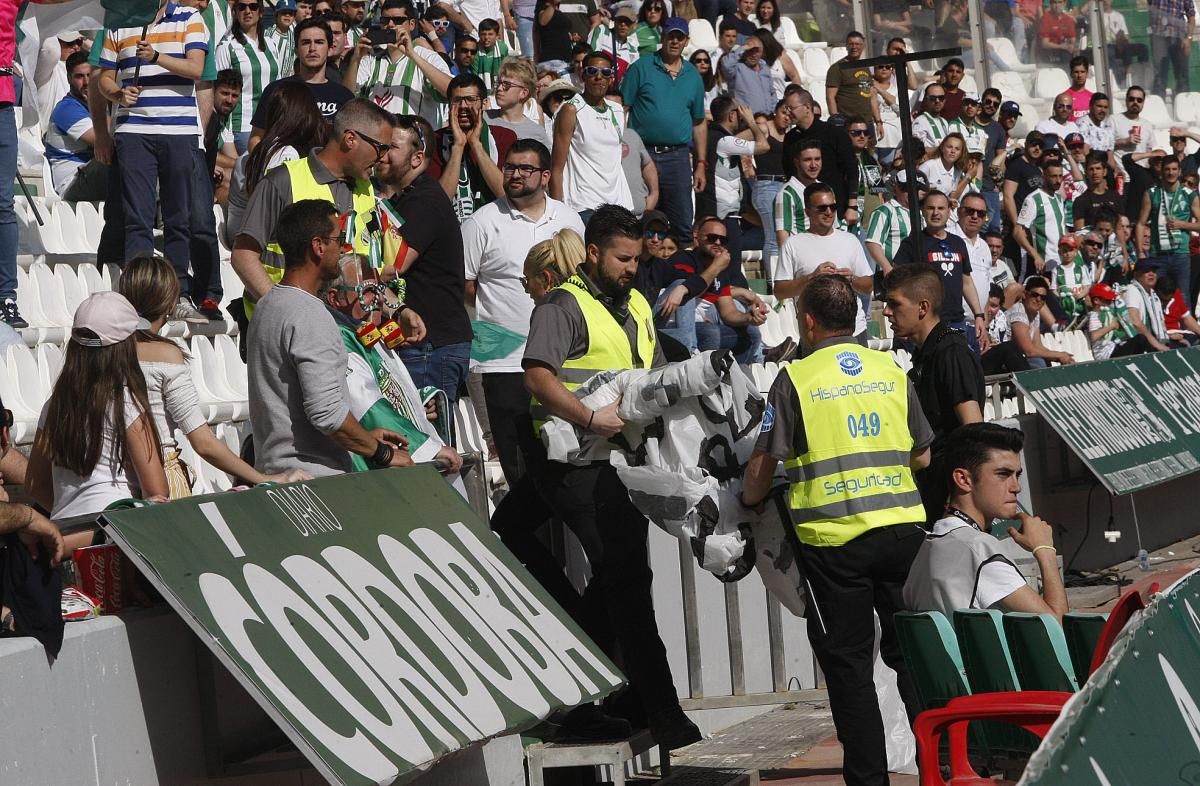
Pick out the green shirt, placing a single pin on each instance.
(648, 38)
(890, 223)
(1068, 277)
(1179, 206)
(258, 67)
(487, 63)
(663, 110)
(1045, 217)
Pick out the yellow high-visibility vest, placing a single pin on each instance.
(608, 346)
(855, 475)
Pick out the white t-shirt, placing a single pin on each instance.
(1017, 316)
(75, 495)
(940, 177)
(994, 580)
(1052, 126)
(496, 239)
(593, 175)
(803, 253)
(1122, 126)
(476, 10)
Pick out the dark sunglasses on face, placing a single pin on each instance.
(656, 234)
(466, 51)
(594, 70)
(1038, 295)
(828, 207)
(1062, 106)
(245, 7)
(857, 132)
(991, 102)
(387, 21)
(976, 212)
(1093, 243)
(1135, 99)
(716, 240)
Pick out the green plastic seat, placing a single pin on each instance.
(984, 649)
(1039, 652)
(1082, 631)
(757, 285)
(931, 652)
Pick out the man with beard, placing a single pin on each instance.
(299, 402)
(593, 322)
(467, 154)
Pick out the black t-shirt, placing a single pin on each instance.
(1027, 176)
(329, 96)
(950, 256)
(996, 140)
(1139, 182)
(839, 166)
(437, 279)
(1087, 205)
(945, 372)
(554, 36)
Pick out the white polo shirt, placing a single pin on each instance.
(496, 240)
(981, 266)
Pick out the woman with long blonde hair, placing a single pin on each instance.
(151, 286)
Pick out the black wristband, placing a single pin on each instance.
(155, 58)
(382, 456)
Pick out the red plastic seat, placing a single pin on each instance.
(1129, 604)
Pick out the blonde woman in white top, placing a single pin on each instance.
(949, 172)
(150, 285)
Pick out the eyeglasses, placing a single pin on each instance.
(857, 132)
(1033, 143)
(594, 70)
(714, 239)
(468, 100)
(932, 97)
(504, 84)
(440, 24)
(330, 238)
(1175, 139)
(991, 102)
(974, 212)
(525, 169)
(466, 51)
(381, 148)
(1039, 295)
(245, 6)
(655, 234)
(827, 207)
(388, 21)
(1093, 243)
(702, 61)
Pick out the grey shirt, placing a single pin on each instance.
(786, 437)
(633, 158)
(524, 128)
(296, 373)
(558, 331)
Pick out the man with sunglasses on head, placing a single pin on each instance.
(496, 240)
(337, 173)
(401, 77)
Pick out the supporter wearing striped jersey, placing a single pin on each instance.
(1041, 223)
(402, 78)
(891, 222)
(492, 50)
(618, 40)
(248, 51)
(1072, 279)
(930, 128)
(280, 35)
(356, 14)
(156, 129)
(790, 216)
(1169, 212)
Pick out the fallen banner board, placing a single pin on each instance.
(371, 615)
(1133, 421)
(1136, 722)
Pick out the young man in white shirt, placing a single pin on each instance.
(960, 564)
(824, 249)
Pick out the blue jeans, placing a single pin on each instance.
(525, 35)
(8, 214)
(746, 342)
(206, 261)
(762, 196)
(992, 199)
(675, 189)
(1180, 268)
(443, 367)
(158, 164)
(681, 326)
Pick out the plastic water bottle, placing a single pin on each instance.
(1143, 560)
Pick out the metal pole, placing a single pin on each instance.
(983, 66)
(29, 198)
(1098, 39)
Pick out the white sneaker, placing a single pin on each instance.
(186, 311)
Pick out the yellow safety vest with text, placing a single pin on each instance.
(855, 475)
(305, 186)
(608, 345)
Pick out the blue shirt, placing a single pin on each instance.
(663, 110)
(754, 88)
(65, 150)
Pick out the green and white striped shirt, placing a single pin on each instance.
(930, 130)
(890, 223)
(1045, 216)
(258, 67)
(487, 63)
(789, 209)
(285, 50)
(1068, 277)
(400, 87)
(1179, 206)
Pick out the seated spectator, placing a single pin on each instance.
(1182, 328)
(1003, 273)
(466, 156)
(90, 452)
(1109, 326)
(655, 273)
(960, 565)
(1145, 309)
(515, 84)
(465, 49)
(1099, 196)
(150, 286)
(403, 78)
(35, 530)
(77, 175)
(299, 399)
(1056, 35)
(998, 331)
(1025, 321)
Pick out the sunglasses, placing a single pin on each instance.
(1062, 106)
(991, 102)
(1135, 99)
(388, 21)
(1175, 139)
(1093, 243)
(1039, 295)
(440, 24)
(827, 207)
(857, 132)
(246, 7)
(381, 148)
(656, 234)
(935, 98)
(701, 61)
(974, 212)
(594, 70)
(466, 51)
(716, 240)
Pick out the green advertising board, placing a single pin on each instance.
(1136, 722)
(372, 615)
(1134, 421)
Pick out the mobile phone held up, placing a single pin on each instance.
(380, 38)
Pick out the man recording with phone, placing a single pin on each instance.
(388, 68)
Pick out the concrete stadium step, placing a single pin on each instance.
(552, 755)
(707, 776)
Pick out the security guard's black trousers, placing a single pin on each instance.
(845, 585)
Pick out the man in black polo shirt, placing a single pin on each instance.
(839, 164)
(433, 267)
(948, 254)
(945, 372)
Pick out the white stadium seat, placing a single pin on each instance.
(92, 278)
(1155, 112)
(816, 63)
(1003, 49)
(702, 36)
(1049, 82)
(92, 222)
(74, 291)
(51, 296)
(1187, 109)
(50, 362)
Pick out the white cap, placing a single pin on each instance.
(109, 316)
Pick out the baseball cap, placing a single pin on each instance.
(676, 24)
(901, 177)
(655, 216)
(1102, 291)
(624, 12)
(970, 98)
(1049, 142)
(1145, 266)
(1069, 241)
(1074, 139)
(285, 6)
(69, 35)
(110, 316)
(1010, 108)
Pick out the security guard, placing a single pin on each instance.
(596, 321)
(338, 173)
(847, 425)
